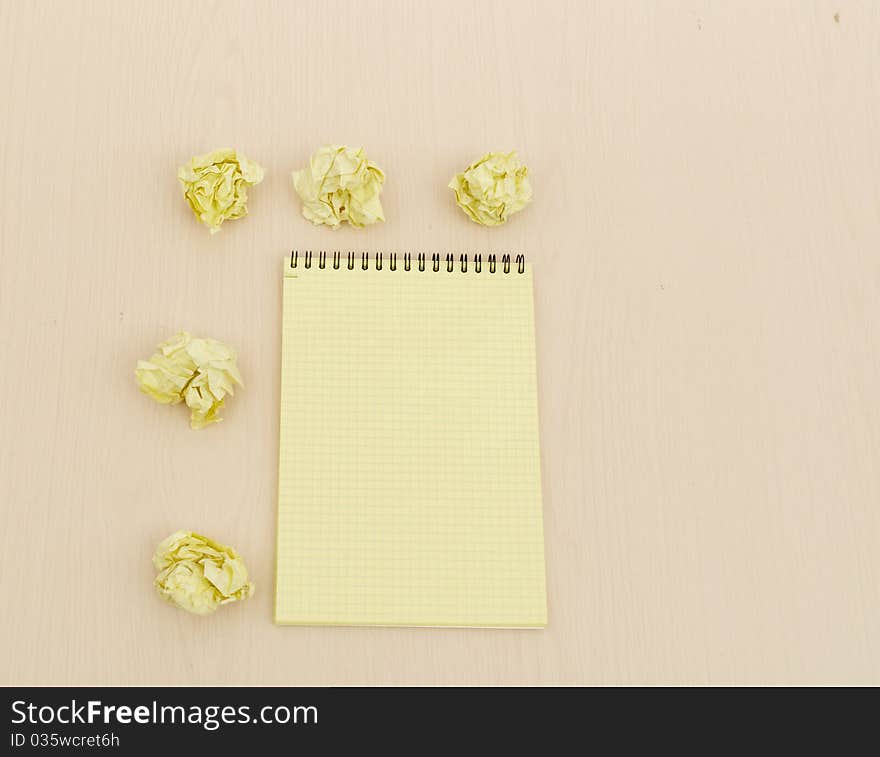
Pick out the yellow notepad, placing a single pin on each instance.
(409, 469)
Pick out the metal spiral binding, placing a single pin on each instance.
(421, 259)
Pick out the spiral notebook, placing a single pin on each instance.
(409, 469)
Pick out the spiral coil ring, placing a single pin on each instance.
(421, 259)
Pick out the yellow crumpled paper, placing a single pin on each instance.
(493, 188)
(340, 184)
(200, 372)
(198, 574)
(215, 185)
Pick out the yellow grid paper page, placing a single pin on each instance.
(409, 470)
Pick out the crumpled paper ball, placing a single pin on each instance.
(215, 185)
(200, 372)
(493, 188)
(340, 184)
(198, 574)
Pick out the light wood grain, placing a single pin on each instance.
(706, 241)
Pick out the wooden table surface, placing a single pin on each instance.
(706, 241)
